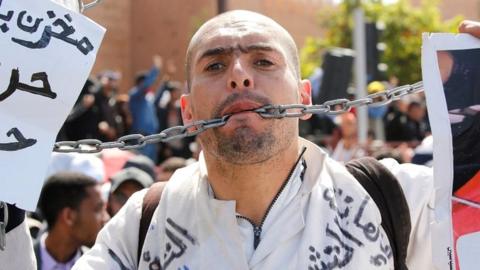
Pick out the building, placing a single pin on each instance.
(136, 30)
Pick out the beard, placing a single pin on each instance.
(246, 145)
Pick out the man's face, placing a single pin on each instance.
(236, 67)
(91, 215)
(120, 196)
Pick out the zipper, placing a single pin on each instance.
(257, 230)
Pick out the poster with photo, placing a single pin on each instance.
(451, 76)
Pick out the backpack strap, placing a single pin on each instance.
(150, 203)
(388, 195)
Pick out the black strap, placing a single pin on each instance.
(15, 217)
(388, 195)
(150, 203)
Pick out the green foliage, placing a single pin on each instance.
(404, 26)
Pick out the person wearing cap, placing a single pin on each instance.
(143, 163)
(124, 184)
(376, 113)
(107, 114)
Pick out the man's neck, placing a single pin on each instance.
(253, 187)
(60, 246)
(349, 142)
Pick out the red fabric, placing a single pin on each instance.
(114, 160)
(466, 219)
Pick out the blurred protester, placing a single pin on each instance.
(74, 211)
(108, 120)
(168, 167)
(123, 109)
(124, 184)
(348, 147)
(80, 123)
(169, 115)
(142, 106)
(406, 126)
(376, 113)
(423, 153)
(143, 163)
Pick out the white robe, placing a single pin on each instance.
(330, 222)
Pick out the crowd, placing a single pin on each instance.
(394, 130)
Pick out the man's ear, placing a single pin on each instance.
(67, 216)
(186, 108)
(305, 96)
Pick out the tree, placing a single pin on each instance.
(402, 35)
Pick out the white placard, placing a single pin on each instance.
(451, 77)
(47, 53)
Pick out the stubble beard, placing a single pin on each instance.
(246, 146)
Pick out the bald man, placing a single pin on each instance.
(260, 196)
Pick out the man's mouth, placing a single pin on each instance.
(241, 107)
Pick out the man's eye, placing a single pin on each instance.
(263, 63)
(214, 67)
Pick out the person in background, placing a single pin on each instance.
(72, 206)
(108, 119)
(124, 184)
(348, 147)
(168, 167)
(142, 106)
(169, 114)
(376, 113)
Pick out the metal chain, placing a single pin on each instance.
(333, 107)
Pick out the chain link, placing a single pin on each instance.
(334, 107)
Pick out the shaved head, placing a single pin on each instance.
(242, 22)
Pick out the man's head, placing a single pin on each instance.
(71, 203)
(416, 111)
(124, 184)
(169, 166)
(239, 61)
(348, 125)
(109, 80)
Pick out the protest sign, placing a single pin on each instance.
(47, 54)
(451, 77)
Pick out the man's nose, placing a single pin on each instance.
(240, 76)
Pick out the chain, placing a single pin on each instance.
(333, 107)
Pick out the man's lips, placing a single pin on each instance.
(241, 106)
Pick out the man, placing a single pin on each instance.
(106, 113)
(142, 107)
(72, 206)
(168, 167)
(348, 147)
(124, 184)
(260, 197)
(169, 115)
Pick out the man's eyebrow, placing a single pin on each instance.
(229, 50)
(215, 52)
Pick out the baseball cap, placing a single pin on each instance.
(375, 87)
(141, 162)
(131, 174)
